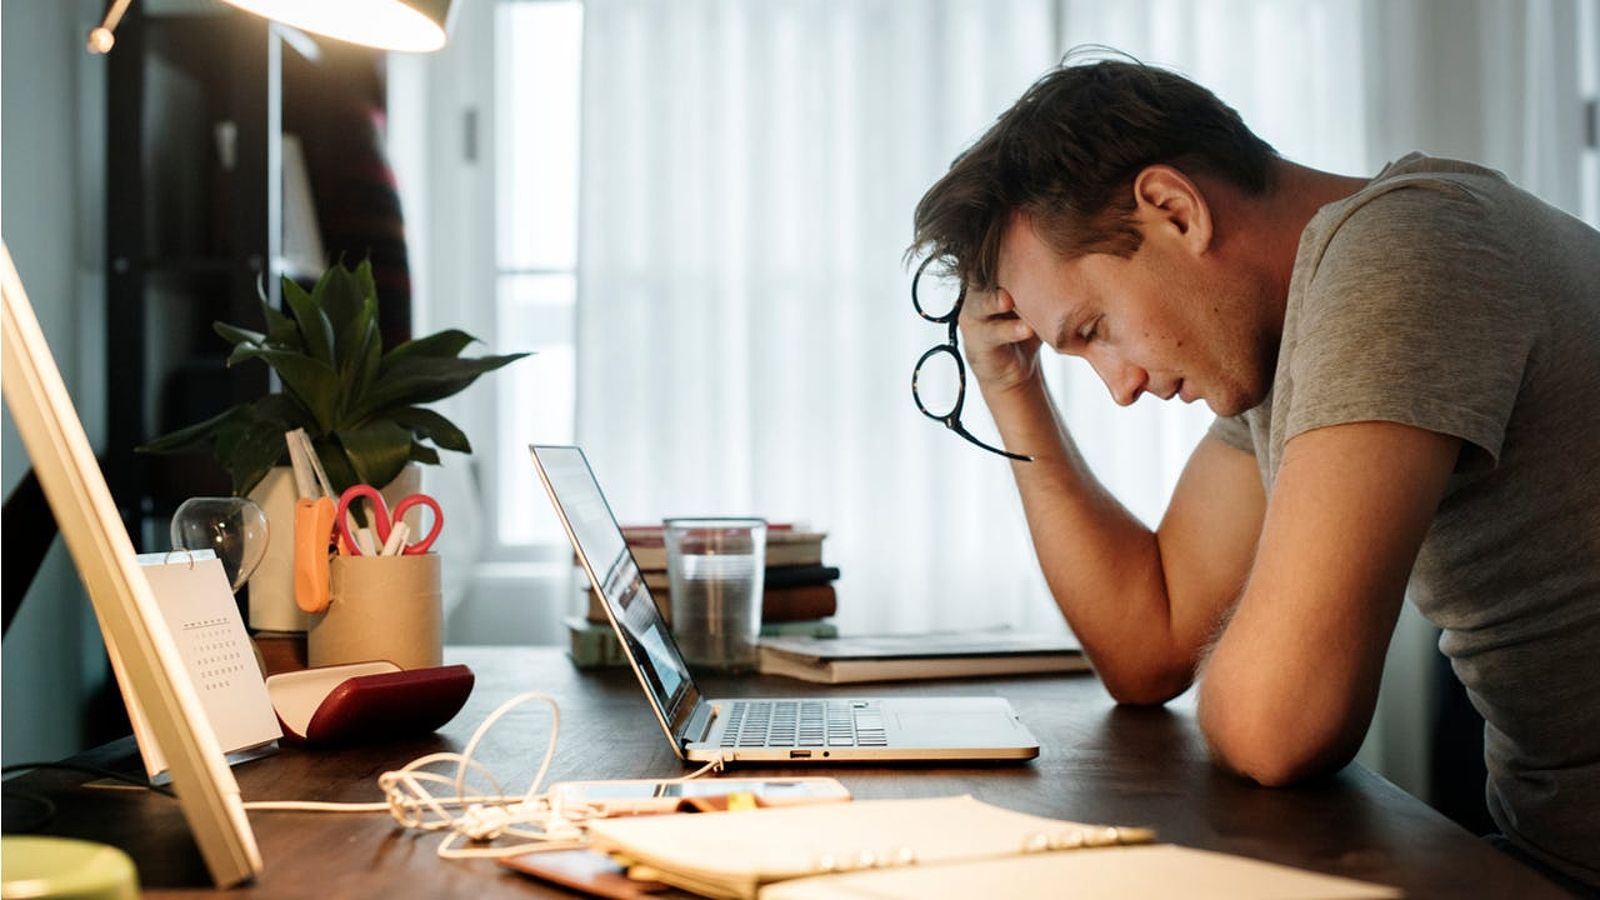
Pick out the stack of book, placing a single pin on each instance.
(798, 599)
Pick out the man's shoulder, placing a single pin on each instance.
(1416, 198)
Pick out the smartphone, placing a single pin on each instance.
(646, 796)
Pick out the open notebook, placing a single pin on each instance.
(946, 847)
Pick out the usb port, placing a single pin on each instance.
(799, 754)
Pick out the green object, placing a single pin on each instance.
(65, 869)
(361, 406)
(812, 628)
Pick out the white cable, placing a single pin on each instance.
(484, 815)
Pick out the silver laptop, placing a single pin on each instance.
(793, 729)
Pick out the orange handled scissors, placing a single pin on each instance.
(313, 529)
(384, 518)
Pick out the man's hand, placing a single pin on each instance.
(1002, 351)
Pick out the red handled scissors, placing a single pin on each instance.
(384, 518)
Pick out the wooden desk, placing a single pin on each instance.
(1100, 763)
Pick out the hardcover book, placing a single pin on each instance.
(900, 657)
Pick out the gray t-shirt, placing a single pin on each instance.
(1441, 296)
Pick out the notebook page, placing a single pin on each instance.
(731, 854)
(1104, 873)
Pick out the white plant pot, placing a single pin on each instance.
(272, 606)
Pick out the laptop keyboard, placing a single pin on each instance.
(804, 723)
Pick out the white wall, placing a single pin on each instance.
(51, 204)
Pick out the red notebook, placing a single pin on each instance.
(366, 702)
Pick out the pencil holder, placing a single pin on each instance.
(382, 607)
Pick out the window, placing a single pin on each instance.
(537, 54)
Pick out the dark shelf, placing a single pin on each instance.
(194, 113)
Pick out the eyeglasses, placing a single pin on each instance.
(939, 382)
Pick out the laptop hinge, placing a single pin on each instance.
(699, 724)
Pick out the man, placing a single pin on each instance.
(1404, 371)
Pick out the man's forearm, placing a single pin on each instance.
(1104, 567)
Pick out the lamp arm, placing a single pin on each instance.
(101, 39)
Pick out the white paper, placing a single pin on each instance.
(197, 604)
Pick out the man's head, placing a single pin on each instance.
(1100, 205)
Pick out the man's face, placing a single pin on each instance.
(1164, 321)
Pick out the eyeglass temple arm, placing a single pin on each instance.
(954, 424)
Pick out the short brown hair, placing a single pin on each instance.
(1066, 155)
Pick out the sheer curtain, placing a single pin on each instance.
(745, 339)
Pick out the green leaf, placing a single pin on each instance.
(424, 454)
(259, 448)
(314, 326)
(194, 437)
(358, 360)
(431, 426)
(336, 462)
(310, 381)
(235, 335)
(285, 412)
(254, 442)
(350, 299)
(281, 330)
(426, 379)
(448, 343)
(353, 339)
(377, 451)
(371, 360)
(339, 296)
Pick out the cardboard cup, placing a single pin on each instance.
(382, 607)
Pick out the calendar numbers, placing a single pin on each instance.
(218, 652)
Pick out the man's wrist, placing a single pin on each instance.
(1027, 390)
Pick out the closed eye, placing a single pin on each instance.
(1090, 330)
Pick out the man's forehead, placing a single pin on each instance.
(1022, 249)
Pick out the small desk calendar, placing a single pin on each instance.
(193, 593)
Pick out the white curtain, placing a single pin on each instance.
(745, 331)
(745, 336)
(1493, 81)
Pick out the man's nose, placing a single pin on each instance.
(1124, 381)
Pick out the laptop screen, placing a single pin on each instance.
(612, 570)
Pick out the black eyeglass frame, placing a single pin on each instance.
(951, 420)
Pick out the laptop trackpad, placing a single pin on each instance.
(976, 728)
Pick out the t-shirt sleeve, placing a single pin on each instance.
(1233, 431)
(1411, 316)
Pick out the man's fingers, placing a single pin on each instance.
(1001, 328)
(1003, 302)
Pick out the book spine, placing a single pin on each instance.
(808, 601)
(790, 576)
(595, 646)
(779, 604)
(783, 549)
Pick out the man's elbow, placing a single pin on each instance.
(1272, 753)
(1272, 766)
(1147, 687)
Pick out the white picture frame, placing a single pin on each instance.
(124, 605)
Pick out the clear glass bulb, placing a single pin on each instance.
(234, 527)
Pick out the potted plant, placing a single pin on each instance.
(363, 408)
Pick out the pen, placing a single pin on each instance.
(397, 540)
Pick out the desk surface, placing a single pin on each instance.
(1100, 763)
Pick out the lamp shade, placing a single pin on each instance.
(406, 25)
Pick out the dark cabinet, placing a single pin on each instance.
(199, 105)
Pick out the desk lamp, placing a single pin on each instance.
(405, 25)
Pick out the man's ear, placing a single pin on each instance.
(1169, 202)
